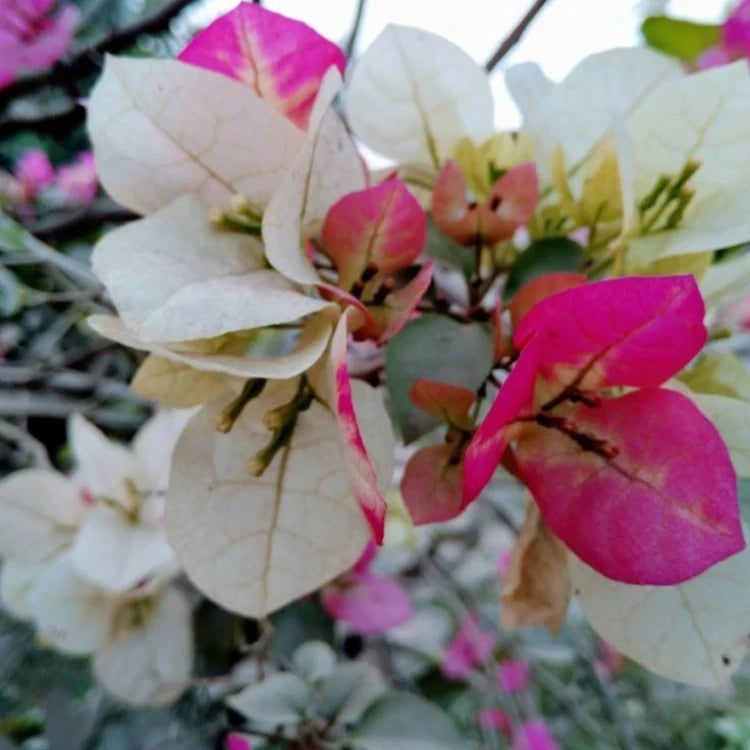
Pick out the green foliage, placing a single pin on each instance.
(400, 720)
(447, 252)
(685, 40)
(438, 348)
(547, 255)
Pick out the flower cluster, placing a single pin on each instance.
(34, 179)
(86, 560)
(536, 294)
(31, 38)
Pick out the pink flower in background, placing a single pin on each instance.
(497, 720)
(513, 676)
(77, 181)
(470, 647)
(237, 742)
(30, 38)
(369, 603)
(534, 735)
(735, 39)
(34, 172)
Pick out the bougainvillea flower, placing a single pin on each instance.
(614, 478)
(77, 181)
(470, 648)
(281, 59)
(497, 720)
(534, 735)
(513, 676)
(509, 205)
(675, 201)
(141, 643)
(31, 38)
(85, 560)
(367, 602)
(34, 171)
(167, 296)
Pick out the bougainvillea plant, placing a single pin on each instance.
(529, 302)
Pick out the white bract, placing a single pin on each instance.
(413, 95)
(85, 558)
(256, 543)
(679, 144)
(175, 142)
(696, 632)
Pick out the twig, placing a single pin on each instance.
(76, 221)
(514, 37)
(87, 59)
(59, 122)
(12, 433)
(351, 42)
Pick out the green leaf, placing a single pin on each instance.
(297, 623)
(281, 699)
(313, 661)
(547, 255)
(349, 691)
(447, 252)
(439, 348)
(682, 39)
(13, 294)
(401, 720)
(12, 235)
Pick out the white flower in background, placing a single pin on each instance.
(86, 559)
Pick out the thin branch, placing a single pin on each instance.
(351, 42)
(87, 59)
(515, 36)
(56, 123)
(10, 432)
(79, 220)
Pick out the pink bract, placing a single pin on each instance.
(431, 485)
(31, 39)
(367, 602)
(34, 171)
(281, 59)
(470, 647)
(381, 227)
(635, 331)
(513, 676)
(534, 735)
(77, 181)
(495, 719)
(646, 494)
(490, 440)
(361, 472)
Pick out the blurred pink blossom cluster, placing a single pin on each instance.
(34, 175)
(735, 39)
(31, 37)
